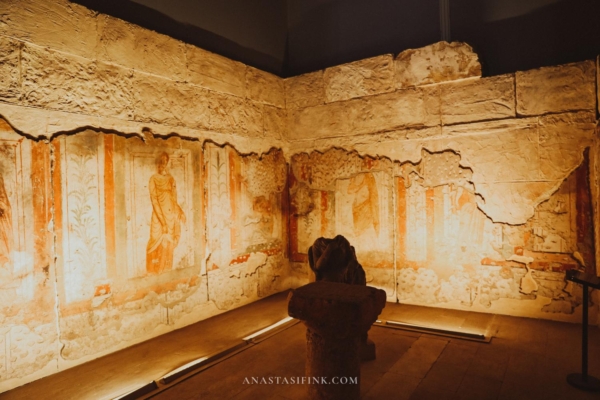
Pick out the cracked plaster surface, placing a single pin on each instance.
(451, 253)
(127, 311)
(517, 164)
(516, 140)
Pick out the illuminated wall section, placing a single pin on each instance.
(128, 219)
(29, 343)
(246, 225)
(143, 186)
(146, 184)
(457, 191)
(338, 192)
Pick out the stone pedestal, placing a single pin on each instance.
(367, 350)
(337, 317)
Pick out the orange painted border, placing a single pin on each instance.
(109, 207)
(40, 181)
(401, 222)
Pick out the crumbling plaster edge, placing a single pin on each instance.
(364, 146)
(391, 144)
(422, 147)
(49, 124)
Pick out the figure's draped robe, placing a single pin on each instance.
(159, 252)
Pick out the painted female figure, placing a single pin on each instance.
(365, 206)
(165, 228)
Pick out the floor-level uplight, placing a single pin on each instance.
(268, 328)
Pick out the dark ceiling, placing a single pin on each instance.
(291, 37)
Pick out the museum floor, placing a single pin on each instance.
(526, 359)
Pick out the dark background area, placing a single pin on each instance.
(291, 37)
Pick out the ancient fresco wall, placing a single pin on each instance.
(129, 240)
(75, 213)
(420, 235)
(109, 240)
(492, 182)
(337, 192)
(118, 221)
(450, 252)
(30, 343)
(457, 190)
(246, 225)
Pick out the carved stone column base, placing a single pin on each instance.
(338, 317)
(367, 350)
(332, 363)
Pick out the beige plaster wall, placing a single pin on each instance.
(403, 154)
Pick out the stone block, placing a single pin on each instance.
(10, 76)
(497, 151)
(557, 89)
(153, 102)
(192, 107)
(478, 100)
(163, 101)
(215, 72)
(230, 114)
(417, 107)
(400, 109)
(64, 82)
(563, 138)
(58, 24)
(134, 47)
(331, 120)
(160, 54)
(275, 122)
(439, 62)
(264, 87)
(305, 90)
(113, 88)
(57, 81)
(360, 78)
(116, 42)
